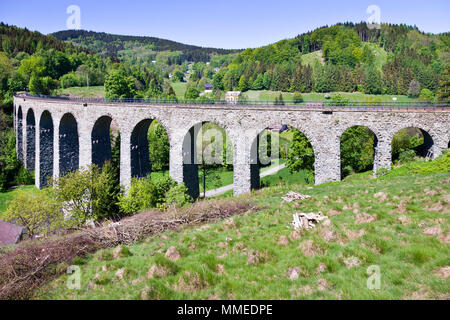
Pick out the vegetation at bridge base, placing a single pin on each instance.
(396, 222)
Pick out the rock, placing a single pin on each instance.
(327, 234)
(381, 196)
(307, 220)
(220, 269)
(173, 254)
(293, 273)
(434, 230)
(156, 271)
(443, 272)
(323, 284)
(120, 273)
(351, 262)
(321, 268)
(284, 241)
(333, 212)
(294, 196)
(252, 258)
(295, 235)
(309, 248)
(364, 218)
(121, 252)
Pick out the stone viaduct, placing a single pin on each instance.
(56, 136)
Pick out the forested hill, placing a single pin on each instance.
(396, 59)
(116, 45)
(14, 40)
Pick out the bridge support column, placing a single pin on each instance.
(243, 167)
(56, 146)
(190, 162)
(383, 156)
(327, 164)
(125, 159)
(37, 169)
(255, 181)
(85, 145)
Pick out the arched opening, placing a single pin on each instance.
(207, 161)
(285, 156)
(150, 149)
(105, 139)
(45, 148)
(20, 135)
(31, 140)
(358, 150)
(411, 142)
(68, 144)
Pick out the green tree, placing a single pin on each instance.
(37, 213)
(243, 84)
(119, 85)
(444, 87)
(41, 85)
(258, 84)
(191, 93)
(159, 147)
(414, 89)
(301, 153)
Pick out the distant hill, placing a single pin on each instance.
(14, 40)
(345, 57)
(111, 45)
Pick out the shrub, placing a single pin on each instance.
(36, 213)
(406, 155)
(414, 89)
(24, 177)
(178, 196)
(426, 95)
(297, 98)
(89, 193)
(140, 196)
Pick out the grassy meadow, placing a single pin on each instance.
(397, 224)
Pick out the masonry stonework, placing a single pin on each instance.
(80, 135)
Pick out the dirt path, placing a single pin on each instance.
(216, 192)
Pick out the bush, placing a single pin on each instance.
(140, 196)
(24, 177)
(426, 95)
(178, 196)
(163, 185)
(36, 213)
(298, 98)
(406, 155)
(89, 193)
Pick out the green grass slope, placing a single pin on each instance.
(398, 223)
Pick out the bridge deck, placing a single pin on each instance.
(325, 106)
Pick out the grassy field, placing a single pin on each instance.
(398, 224)
(267, 95)
(84, 92)
(6, 197)
(179, 88)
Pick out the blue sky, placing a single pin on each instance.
(224, 24)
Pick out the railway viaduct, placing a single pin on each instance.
(56, 136)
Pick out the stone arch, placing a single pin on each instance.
(254, 157)
(190, 154)
(31, 140)
(101, 141)
(46, 132)
(140, 163)
(69, 148)
(20, 135)
(429, 137)
(376, 136)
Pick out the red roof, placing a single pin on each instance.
(9, 233)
